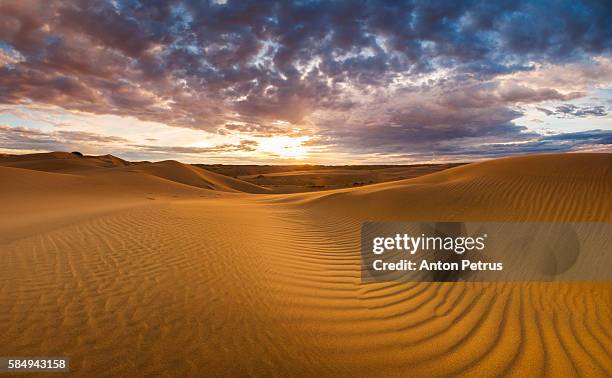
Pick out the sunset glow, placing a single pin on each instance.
(324, 81)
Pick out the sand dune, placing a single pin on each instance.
(95, 165)
(61, 162)
(570, 187)
(198, 177)
(161, 268)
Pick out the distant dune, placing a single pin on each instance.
(194, 176)
(91, 165)
(166, 268)
(307, 178)
(61, 162)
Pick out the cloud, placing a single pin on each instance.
(256, 130)
(603, 137)
(21, 138)
(545, 111)
(243, 146)
(340, 72)
(596, 140)
(573, 111)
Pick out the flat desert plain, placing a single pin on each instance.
(134, 269)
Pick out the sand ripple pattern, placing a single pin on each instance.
(242, 284)
(210, 286)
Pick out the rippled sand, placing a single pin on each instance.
(168, 269)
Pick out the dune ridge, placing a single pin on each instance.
(555, 187)
(179, 279)
(198, 177)
(64, 162)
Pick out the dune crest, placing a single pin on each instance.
(65, 162)
(555, 187)
(198, 177)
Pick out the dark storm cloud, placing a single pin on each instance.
(211, 66)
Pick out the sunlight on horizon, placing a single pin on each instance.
(284, 147)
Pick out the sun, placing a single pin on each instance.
(284, 147)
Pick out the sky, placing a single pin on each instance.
(295, 82)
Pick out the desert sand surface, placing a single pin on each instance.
(170, 269)
(307, 178)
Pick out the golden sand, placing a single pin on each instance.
(164, 268)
